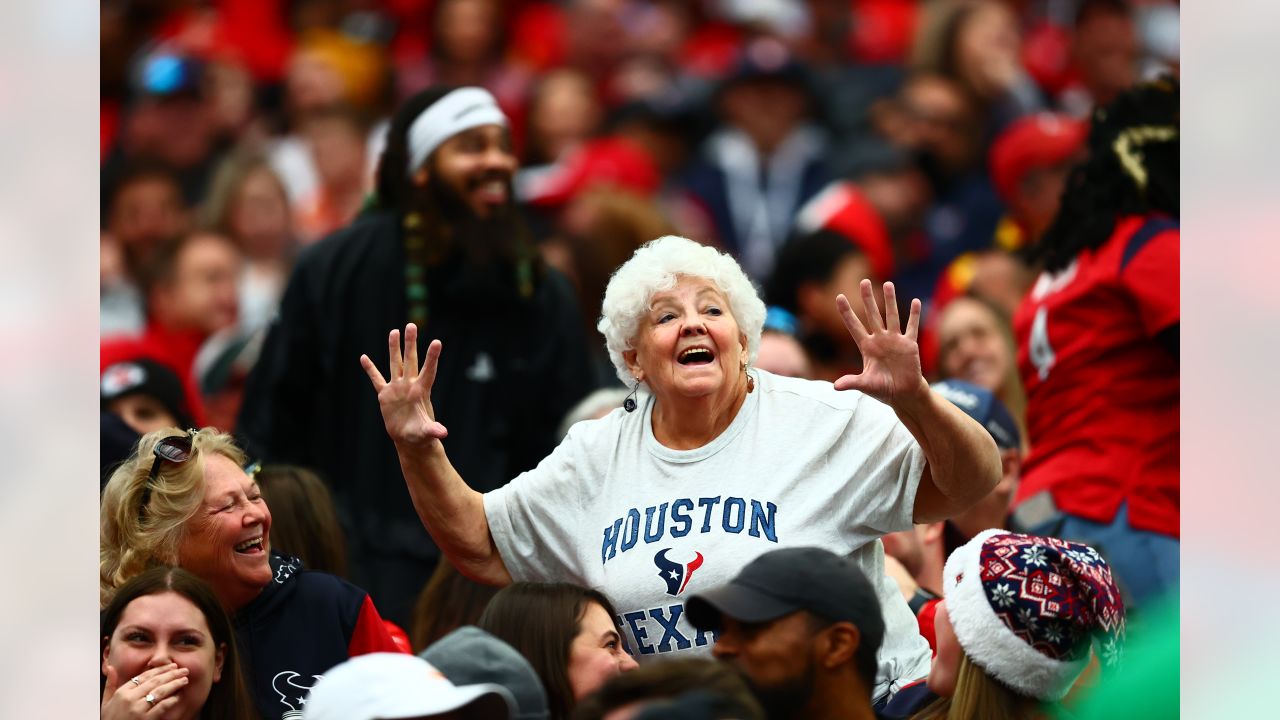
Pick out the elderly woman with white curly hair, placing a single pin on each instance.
(721, 461)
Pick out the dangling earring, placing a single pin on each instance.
(751, 382)
(630, 403)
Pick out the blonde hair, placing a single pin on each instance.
(131, 541)
(931, 45)
(979, 696)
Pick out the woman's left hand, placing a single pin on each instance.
(890, 356)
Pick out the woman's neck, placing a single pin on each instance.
(688, 423)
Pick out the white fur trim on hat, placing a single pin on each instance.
(990, 643)
(462, 109)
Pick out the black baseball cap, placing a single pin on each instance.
(767, 59)
(144, 376)
(784, 581)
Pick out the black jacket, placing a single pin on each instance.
(509, 371)
(302, 624)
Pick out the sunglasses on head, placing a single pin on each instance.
(175, 449)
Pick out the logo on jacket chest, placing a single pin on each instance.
(482, 369)
(293, 694)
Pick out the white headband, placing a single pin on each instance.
(459, 110)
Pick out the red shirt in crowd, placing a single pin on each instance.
(1102, 393)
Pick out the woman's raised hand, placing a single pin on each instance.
(405, 398)
(890, 356)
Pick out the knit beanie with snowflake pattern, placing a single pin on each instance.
(1027, 609)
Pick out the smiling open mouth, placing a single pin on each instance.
(250, 547)
(696, 356)
(490, 188)
(492, 191)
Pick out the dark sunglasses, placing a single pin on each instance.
(175, 449)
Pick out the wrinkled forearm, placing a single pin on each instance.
(963, 464)
(452, 512)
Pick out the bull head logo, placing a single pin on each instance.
(676, 575)
(293, 694)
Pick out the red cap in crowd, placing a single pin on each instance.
(843, 209)
(1036, 141)
(607, 161)
(884, 30)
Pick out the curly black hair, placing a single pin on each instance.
(1132, 170)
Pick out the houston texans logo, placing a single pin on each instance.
(293, 694)
(288, 566)
(676, 575)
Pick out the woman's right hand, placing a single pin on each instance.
(405, 399)
(160, 683)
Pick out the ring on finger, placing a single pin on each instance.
(151, 699)
(135, 680)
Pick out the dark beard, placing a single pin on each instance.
(472, 260)
(786, 701)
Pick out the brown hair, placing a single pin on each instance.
(161, 268)
(229, 697)
(621, 222)
(558, 609)
(448, 601)
(131, 541)
(731, 698)
(979, 696)
(224, 190)
(303, 521)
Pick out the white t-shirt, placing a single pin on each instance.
(802, 464)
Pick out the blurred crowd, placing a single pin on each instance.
(819, 143)
(932, 136)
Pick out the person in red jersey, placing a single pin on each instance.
(1098, 350)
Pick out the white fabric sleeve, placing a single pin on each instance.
(880, 495)
(533, 519)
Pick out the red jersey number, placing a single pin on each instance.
(1041, 351)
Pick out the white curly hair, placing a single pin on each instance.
(656, 267)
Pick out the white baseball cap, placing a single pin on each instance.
(389, 686)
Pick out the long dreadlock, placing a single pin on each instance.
(1132, 170)
(394, 191)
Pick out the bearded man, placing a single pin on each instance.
(442, 245)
